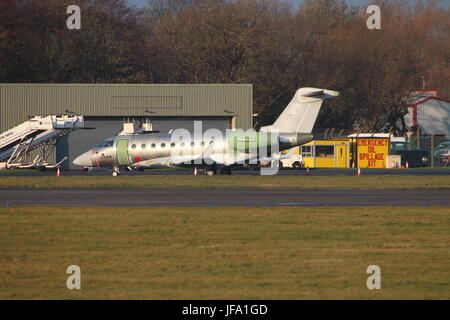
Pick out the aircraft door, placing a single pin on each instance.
(122, 152)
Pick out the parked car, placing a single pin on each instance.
(445, 158)
(441, 148)
(412, 158)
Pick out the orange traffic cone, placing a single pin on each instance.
(58, 172)
(407, 164)
(307, 173)
(359, 172)
(195, 171)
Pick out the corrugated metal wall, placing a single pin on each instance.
(17, 101)
(434, 116)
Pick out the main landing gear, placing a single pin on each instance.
(213, 171)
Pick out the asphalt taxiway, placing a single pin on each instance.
(219, 197)
(294, 172)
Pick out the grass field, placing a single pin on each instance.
(225, 253)
(183, 181)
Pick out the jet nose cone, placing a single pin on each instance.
(83, 160)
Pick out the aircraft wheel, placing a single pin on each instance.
(210, 172)
(277, 164)
(115, 174)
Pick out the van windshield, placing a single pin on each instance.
(443, 145)
(398, 146)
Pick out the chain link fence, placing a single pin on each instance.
(437, 146)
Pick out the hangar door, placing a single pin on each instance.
(80, 141)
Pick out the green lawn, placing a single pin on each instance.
(185, 181)
(225, 253)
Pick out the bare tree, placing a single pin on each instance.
(267, 43)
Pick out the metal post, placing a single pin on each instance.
(431, 150)
(418, 138)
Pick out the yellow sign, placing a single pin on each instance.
(372, 153)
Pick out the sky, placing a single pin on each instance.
(445, 3)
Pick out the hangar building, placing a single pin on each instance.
(430, 112)
(106, 106)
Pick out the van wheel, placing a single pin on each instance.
(296, 165)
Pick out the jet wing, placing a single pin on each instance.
(279, 157)
(228, 160)
(207, 157)
(193, 158)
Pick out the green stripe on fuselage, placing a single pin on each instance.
(122, 152)
(246, 141)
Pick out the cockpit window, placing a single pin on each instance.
(106, 143)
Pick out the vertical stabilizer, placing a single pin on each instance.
(301, 113)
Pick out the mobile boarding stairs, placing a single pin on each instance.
(39, 133)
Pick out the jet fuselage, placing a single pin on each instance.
(160, 149)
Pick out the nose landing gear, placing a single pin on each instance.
(116, 172)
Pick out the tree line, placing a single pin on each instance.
(270, 44)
